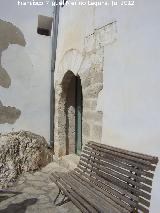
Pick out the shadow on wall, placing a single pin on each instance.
(9, 34)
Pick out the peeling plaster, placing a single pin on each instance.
(9, 34)
(9, 114)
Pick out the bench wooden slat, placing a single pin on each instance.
(143, 209)
(124, 164)
(76, 199)
(101, 161)
(118, 183)
(106, 185)
(63, 180)
(72, 195)
(122, 155)
(98, 202)
(126, 158)
(126, 168)
(98, 187)
(144, 202)
(150, 158)
(107, 172)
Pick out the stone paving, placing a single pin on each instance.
(34, 193)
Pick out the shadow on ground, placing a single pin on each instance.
(15, 207)
(5, 194)
(19, 207)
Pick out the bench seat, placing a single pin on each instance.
(109, 180)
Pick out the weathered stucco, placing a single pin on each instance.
(27, 65)
(9, 34)
(9, 114)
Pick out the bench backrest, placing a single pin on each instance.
(125, 176)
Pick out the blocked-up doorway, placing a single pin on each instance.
(69, 128)
(71, 105)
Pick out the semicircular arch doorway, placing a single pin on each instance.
(73, 108)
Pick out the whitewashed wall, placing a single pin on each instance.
(29, 69)
(131, 84)
(130, 99)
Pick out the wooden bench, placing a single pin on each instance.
(108, 180)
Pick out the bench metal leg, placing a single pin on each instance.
(57, 196)
(63, 201)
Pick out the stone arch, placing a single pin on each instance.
(66, 115)
(72, 60)
(90, 70)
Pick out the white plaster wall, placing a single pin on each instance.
(131, 83)
(75, 23)
(29, 69)
(130, 98)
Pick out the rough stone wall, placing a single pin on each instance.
(92, 84)
(92, 80)
(21, 152)
(60, 124)
(65, 116)
(89, 66)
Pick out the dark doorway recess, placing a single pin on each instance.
(78, 116)
(73, 109)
